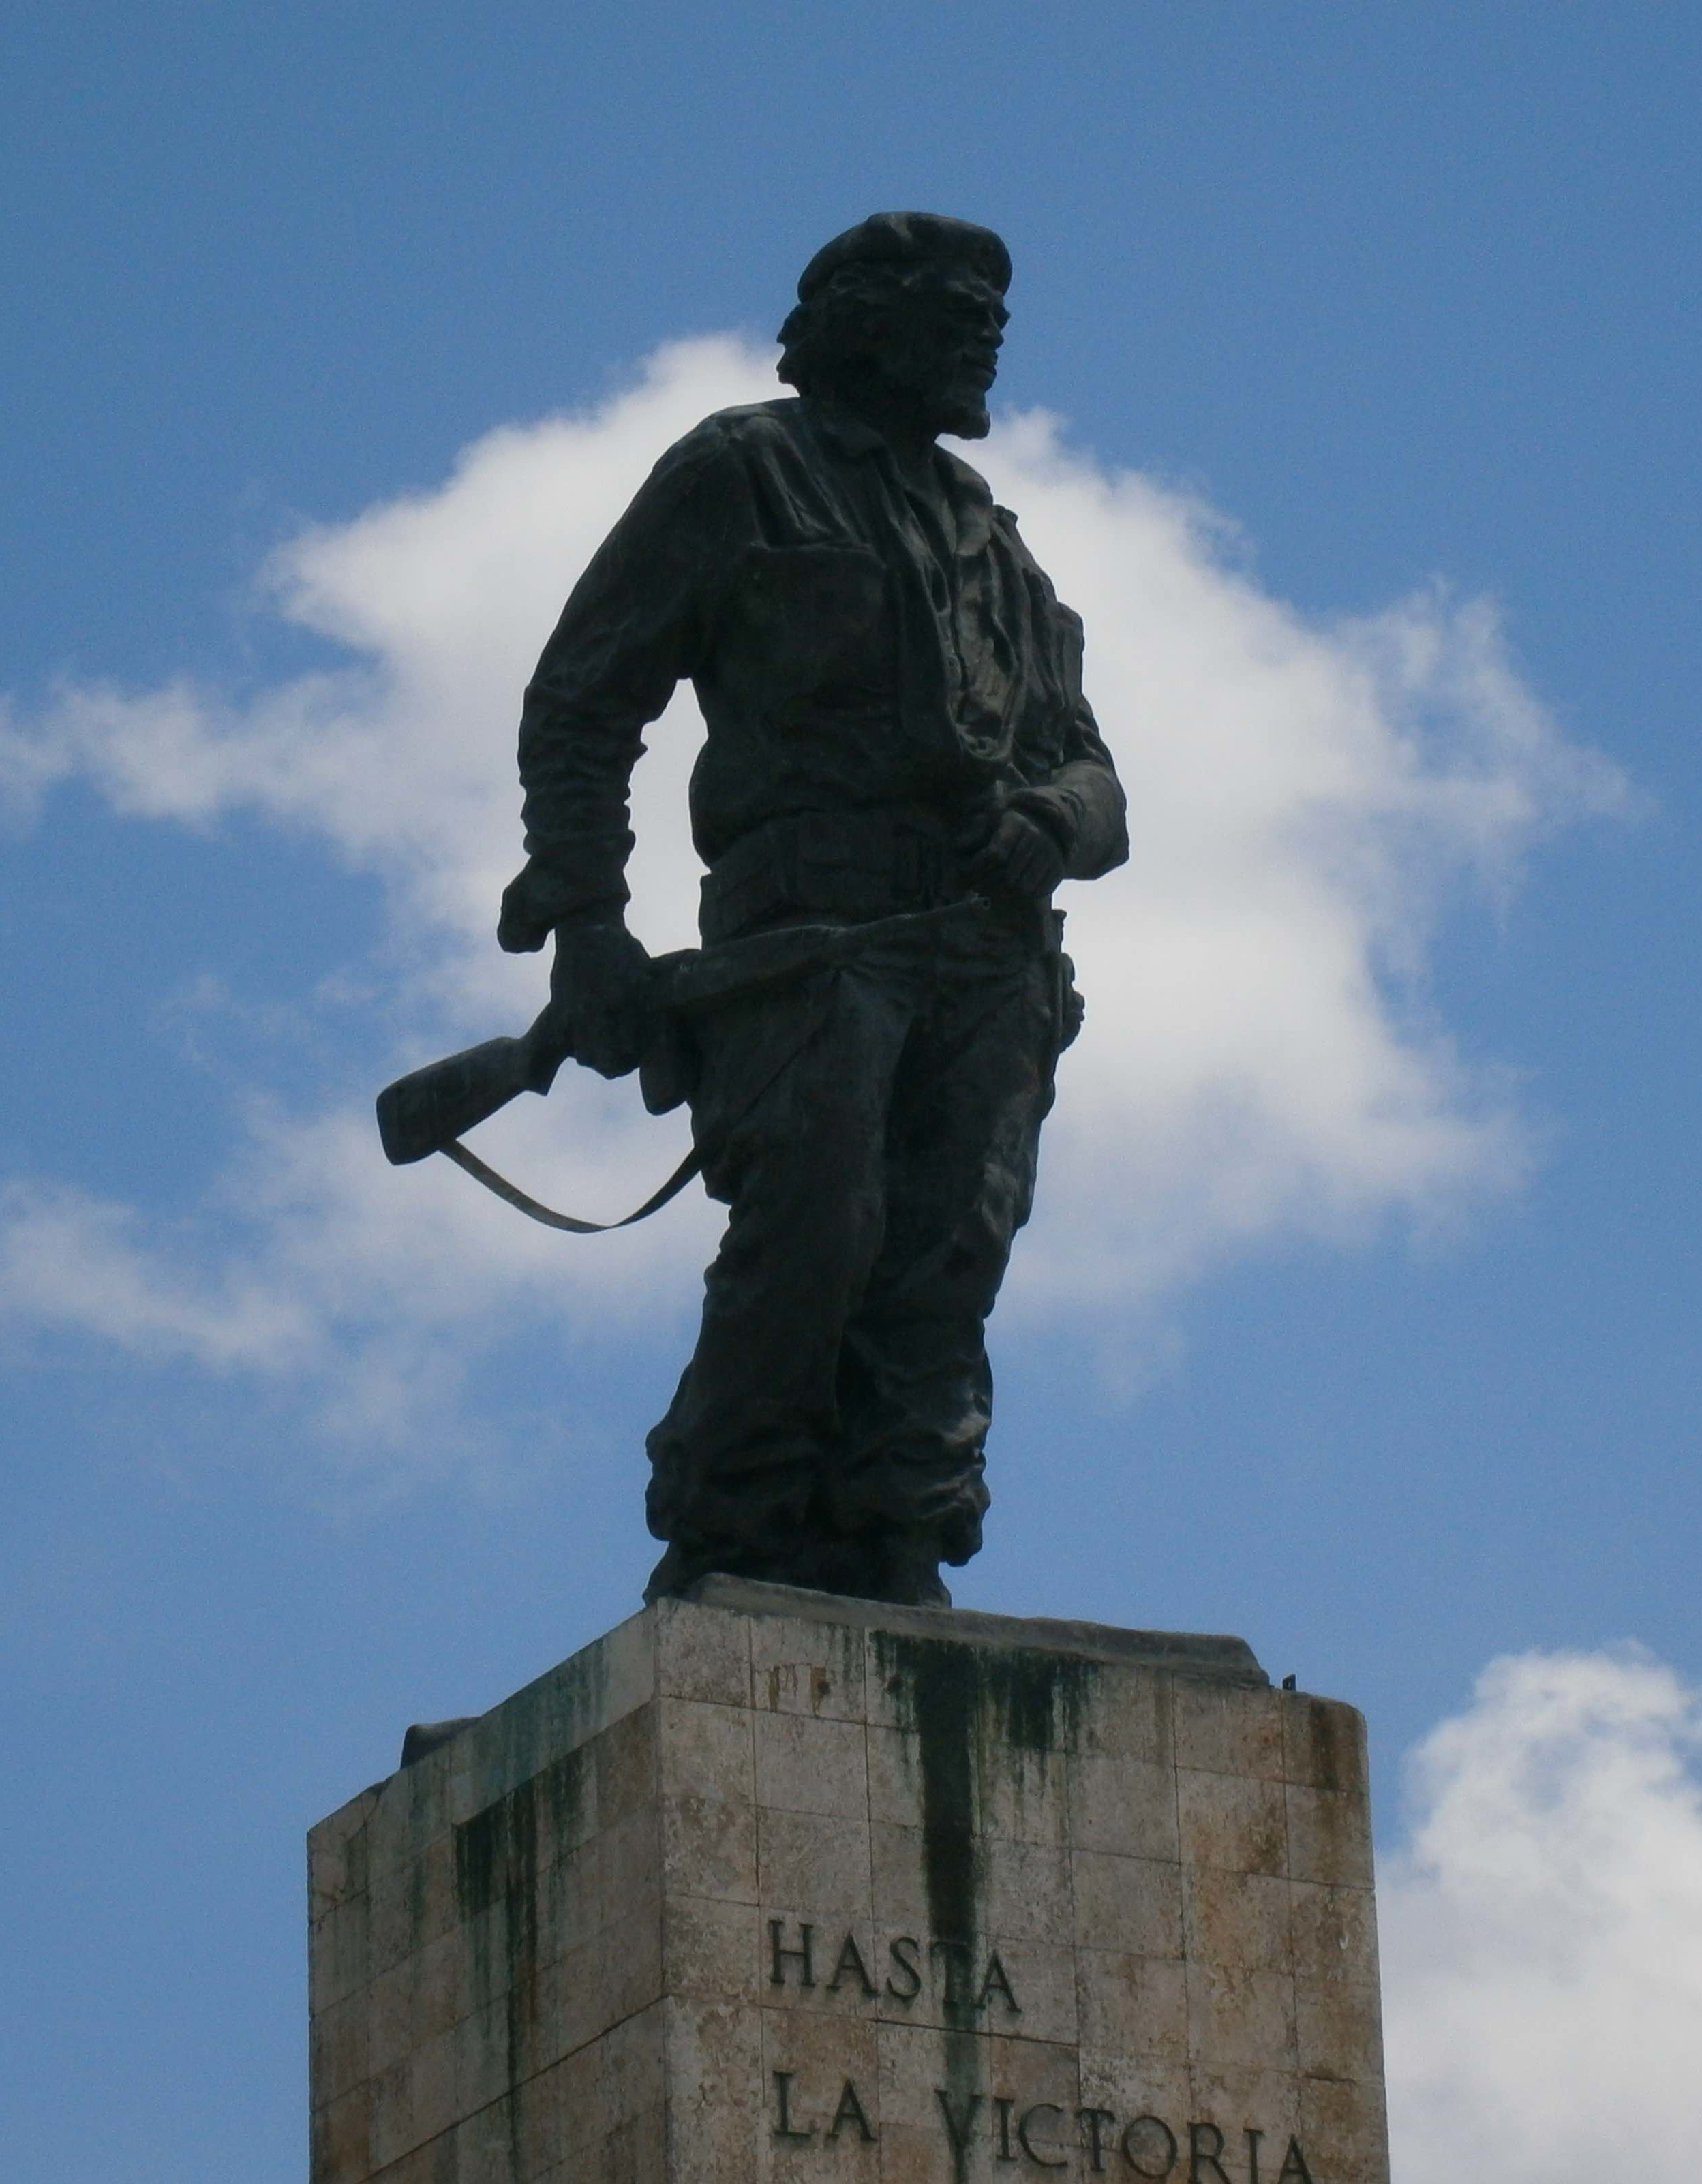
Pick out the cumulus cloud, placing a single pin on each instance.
(68, 1258)
(1260, 1055)
(1542, 1931)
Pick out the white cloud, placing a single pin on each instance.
(68, 1259)
(1541, 1932)
(1260, 1059)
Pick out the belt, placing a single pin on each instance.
(848, 864)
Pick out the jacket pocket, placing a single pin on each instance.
(799, 615)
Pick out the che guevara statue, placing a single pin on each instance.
(899, 759)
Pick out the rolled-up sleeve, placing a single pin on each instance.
(632, 630)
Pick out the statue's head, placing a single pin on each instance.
(903, 316)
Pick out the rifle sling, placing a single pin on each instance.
(523, 1202)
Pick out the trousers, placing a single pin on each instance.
(840, 1387)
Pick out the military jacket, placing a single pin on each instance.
(858, 651)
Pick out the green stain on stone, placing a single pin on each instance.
(1038, 1699)
(971, 1707)
(496, 1850)
(496, 1865)
(1334, 1746)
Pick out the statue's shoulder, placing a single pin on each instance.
(747, 426)
(726, 441)
(785, 414)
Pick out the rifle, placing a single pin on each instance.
(430, 1109)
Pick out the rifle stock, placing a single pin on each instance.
(421, 1113)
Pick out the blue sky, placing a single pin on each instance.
(1365, 1324)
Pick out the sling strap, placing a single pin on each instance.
(523, 1202)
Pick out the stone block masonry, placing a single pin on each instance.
(772, 1888)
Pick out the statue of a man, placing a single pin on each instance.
(896, 724)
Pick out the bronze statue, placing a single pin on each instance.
(900, 767)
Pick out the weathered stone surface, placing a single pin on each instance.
(772, 1888)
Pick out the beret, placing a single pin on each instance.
(890, 236)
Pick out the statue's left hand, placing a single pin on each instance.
(526, 922)
(1021, 857)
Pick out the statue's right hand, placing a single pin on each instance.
(603, 985)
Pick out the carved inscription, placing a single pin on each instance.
(801, 1956)
(849, 2114)
(1098, 2143)
(1044, 2135)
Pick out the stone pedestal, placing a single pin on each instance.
(770, 1885)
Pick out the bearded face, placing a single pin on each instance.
(932, 349)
